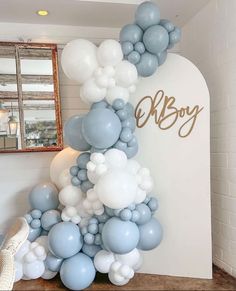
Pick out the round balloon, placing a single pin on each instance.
(126, 74)
(50, 218)
(109, 53)
(131, 33)
(103, 261)
(147, 65)
(147, 14)
(156, 39)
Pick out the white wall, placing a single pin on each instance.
(209, 40)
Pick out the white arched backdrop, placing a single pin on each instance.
(172, 114)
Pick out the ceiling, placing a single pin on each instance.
(100, 13)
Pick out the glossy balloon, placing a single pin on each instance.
(131, 33)
(53, 263)
(109, 53)
(148, 65)
(162, 57)
(50, 218)
(147, 14)
(156, 39)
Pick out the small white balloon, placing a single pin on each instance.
(131, 259)
(18, 271)
(116, 279)
(140, 196)
(109, 53)
(126, 74)
(43, 241)
(117, 92)
(132, 166)
(34, 270)
(115, 158)
(90, 92)
(70, 195)
(103, 261)
(23, 250)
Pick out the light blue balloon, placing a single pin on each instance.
(147, 14)
(126, 214)
(73, 134)
(100, 104)
(64, 239)
(175, 35)
(53, 263)
(151, 234)
(156, 39)
(131, 151)
(119, 236)
(135, 216)
(89, 238)
(129, 108)
(145, 213)
(95, 150)
(83, 159)
(127, 47)
(77, 272)
(126, 134)
(36, 213)
(153, 204)
(91, 250)
(34, 233)
(82, 175)
(35, 223)
(168, 25)
(118, 104)
(162, 57)
(139, 47)
(50, 218)
(75, 181)
(43, 197)
(86, 185)
(122, 114)
(147, 65)
(131, 33)
(74, 170)
(120, 145)
(130, 123)
(134, 57)
(101, 128)
(28, 218)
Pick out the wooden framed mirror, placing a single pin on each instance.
(30, 114)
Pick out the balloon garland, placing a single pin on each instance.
(97, 213)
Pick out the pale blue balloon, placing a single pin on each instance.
(50, 218)
(95, 150)
(91, 250)
(101, 128)
(83, 159)
(53, 263)
(100, 104)
(43, 197)
(175, 35)
(131, 151)
(75, 181)
(126, 214)
(36, 213)
(129, 108)
(153, 204)
(118, 104)
(34, 233)
(134, 57)
(119, 236)
(139, 47)
(73, 134)
(74, 170)
(151, 234)
(126, 134)
(130, 123)
(148, 65)
(131, 33)
(147, 14)
(145, 213)
(156, 39)
(64, 239)
(122, 114)
(77, 272)
(82, 175)
(120, 145)
(86, 185)
(36, 223)
(127, 47)
(162, 57)
(28, 218)
(168, 25)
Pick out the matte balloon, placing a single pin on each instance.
(144, 213)
(70, 196)
(175, 35)
(50, 218)
(126, 74)
(90, 250)
(162, 57)
(147, 65)
(147, 14)
(117, 92)
(115, 159)
(151, 234)
(73, 133)
(139, 47)
(134, 57)
(79, 60)
(90, 92)
(156, 39)
(53, 263)
(120, 236)
(64, 239)
(103, 261)
(132, 259)
(34, 270)
(101, 128)
(109, 53)
(44, 196)
(168, 25)
(127, 47)
(131, 33)
(77, 272)
(34, 233)
(48, 275)
(101, 104)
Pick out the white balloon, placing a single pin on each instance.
(79, 60)
(132, 166)
(64, 160)
(116, 189)
(131, 259)
(103, 261)
(115, 158)
(90, 92)
(140, 196)
(109, 53)
(18, 271)
(126, 74)
(43, 241)
(70, 195)
(23, 250)
(117, 92)
(117, 279)
(34, 270)
(48, 275)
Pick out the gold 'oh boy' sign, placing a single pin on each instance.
(162, 110)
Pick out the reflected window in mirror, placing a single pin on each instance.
(30, 118)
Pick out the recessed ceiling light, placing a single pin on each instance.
(42, 12)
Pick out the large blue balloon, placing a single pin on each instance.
(50, 218)
(65, 240)
(147, 14)
(44, 196)
(131, 33)
(119, 236)
(101, 128)
(151, 234)
(147, 65)
(77, 272)
(156, 39)
(73, 134)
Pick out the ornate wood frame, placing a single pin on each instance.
(53, 47)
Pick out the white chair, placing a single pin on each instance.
(15, 237)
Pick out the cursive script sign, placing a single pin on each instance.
(165, 114)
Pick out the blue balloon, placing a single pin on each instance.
(129, 108)
(127, 47)
(50, 218)
(151, 234)
(101, 128)
(162, 57)
(75, 181)
(100, 104)
(120, 145)
(86, 185)
(43, 197)
(36, 223)
(147, 65)
(73, 134)
(147, 14)
(131, 151)
(90, 250)
(139, 47)
(64, 239)
(156, 39)
(175, 35)
(130, 123)
(168, 25)
(36, 213)
(82, 160)
(131, 33)
(126, 134)
(134, 57)
(119, 236)
(77, 272)
(34, 233)
(118, 104)
(145, 213)
(53, 263)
